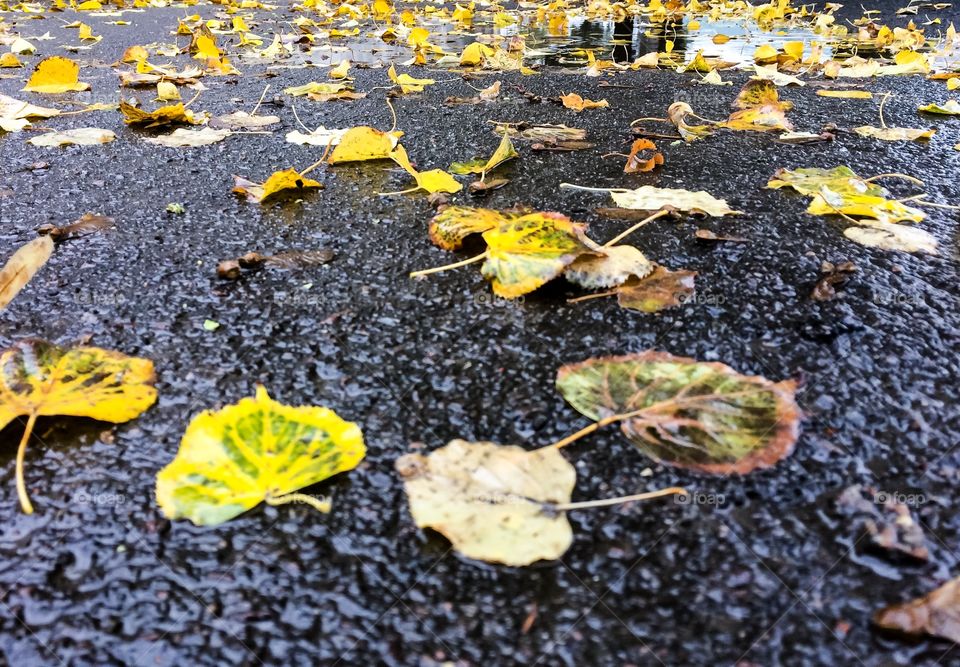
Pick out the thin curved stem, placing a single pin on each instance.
(587, 297)
(316, 503)
(595, 426)
(619, 237)
(910, 179)
(883, 123)
(260, 101)
(571, 186)
(587, 504)
(640, 120)
(21, 451)
(455, 265)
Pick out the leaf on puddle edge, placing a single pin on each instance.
(699, 415)
(505, 151)
(257, 450)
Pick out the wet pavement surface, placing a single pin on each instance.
(758, 570)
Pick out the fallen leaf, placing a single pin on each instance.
(39, 379)
(828, 202)
(949, 108)
(610, 267)
(257, 450)
(894, 133)
(760, 109)
(935, 614)
(167, 92)
(13, 109)
(888, 236)
(86, 224)
(832, 276)
(241, 120)
(279, 182)
(698, 415)
(576, 103)
(433, 181)
(529, 251)
(18, 271)
(184, 138)
(452, 225)
(10, 60)
(56, 75)
(650, 198)
(505, 151)
(660, 290)
(635, 164)
(363, 143)
(547, 133)
(677, 113)
(407, 83)
(80, 136)
(174, 114)
(319, 137)
(491, 500)
(846, 94)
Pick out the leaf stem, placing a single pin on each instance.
(260, 101)
(640, 120)
(571, 186)
(587, 504)
(597, 425)
(911, 179)
(619, 237)
(883, 123)
(21, 451)
(455, 265)
(317, 504)
(587, 297)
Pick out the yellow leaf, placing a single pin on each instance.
(894, 133)
(257, 450)
(765, 53)
(167, 92)
(10, 60)
(846, 94)
(21, 267)
(341, 70)
(86, 33)
(721, 39)
(828, 202)
(316, 88)
(578, 104)
(407, 83)
(505, 151)
(525, 253)
(453, 224)
(794, 50)
(949, 108)
(952, 83)
(363, 143)
(279, 181)
(206, 48)
(475, 54)
(56, 75)
(435, 180)
(173, 114)
(38, 379)
(134, 54)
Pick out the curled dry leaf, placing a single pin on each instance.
(319, 137)
(256, 450)
(279, 182)
(544, 133)
(87, 224)
(576, 103)
(14, 109)
(80, 136)
(677, 113)
(39, 379)
(492, 501)
(291, 259)
(452, 225)
(707, 235)
(637, 163)
(479, 188)
(833, 275)
(505, 151)
(697, 415)
(407, 83)
(936, 614)
(21, 267)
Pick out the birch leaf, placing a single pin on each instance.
(650, 198)
(279, 182)
(697, 415)
(489, 500)
(612, 266)
(257, 450)
(56, 75)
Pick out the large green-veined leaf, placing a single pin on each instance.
(257, 450)
(698, 415)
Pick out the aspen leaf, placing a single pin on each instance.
(279, 182)
(434, 180)
(505, 151)
(650, 198)
(452, 225)
(609, 267)
(697, 415)
(39, 379)
(21, 267)
(527, 252)
(660, 289)
(363, 143)
(174, 114)
(257, 450)
(949, 108)
(491, 500)
(56, 75)
(407, 83)
(184, 138)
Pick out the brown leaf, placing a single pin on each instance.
(833, 275)
(289, 260)
(562, 145)
(22, 266)
(87, 224)
(936, 614)
(660, 290)
(484, 187)
(636, 163)
(707, 235)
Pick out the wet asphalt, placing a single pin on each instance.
(759, 570)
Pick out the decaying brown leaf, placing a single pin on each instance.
(936, 614)
(87, 224)
(658, 291)
(290, 260)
